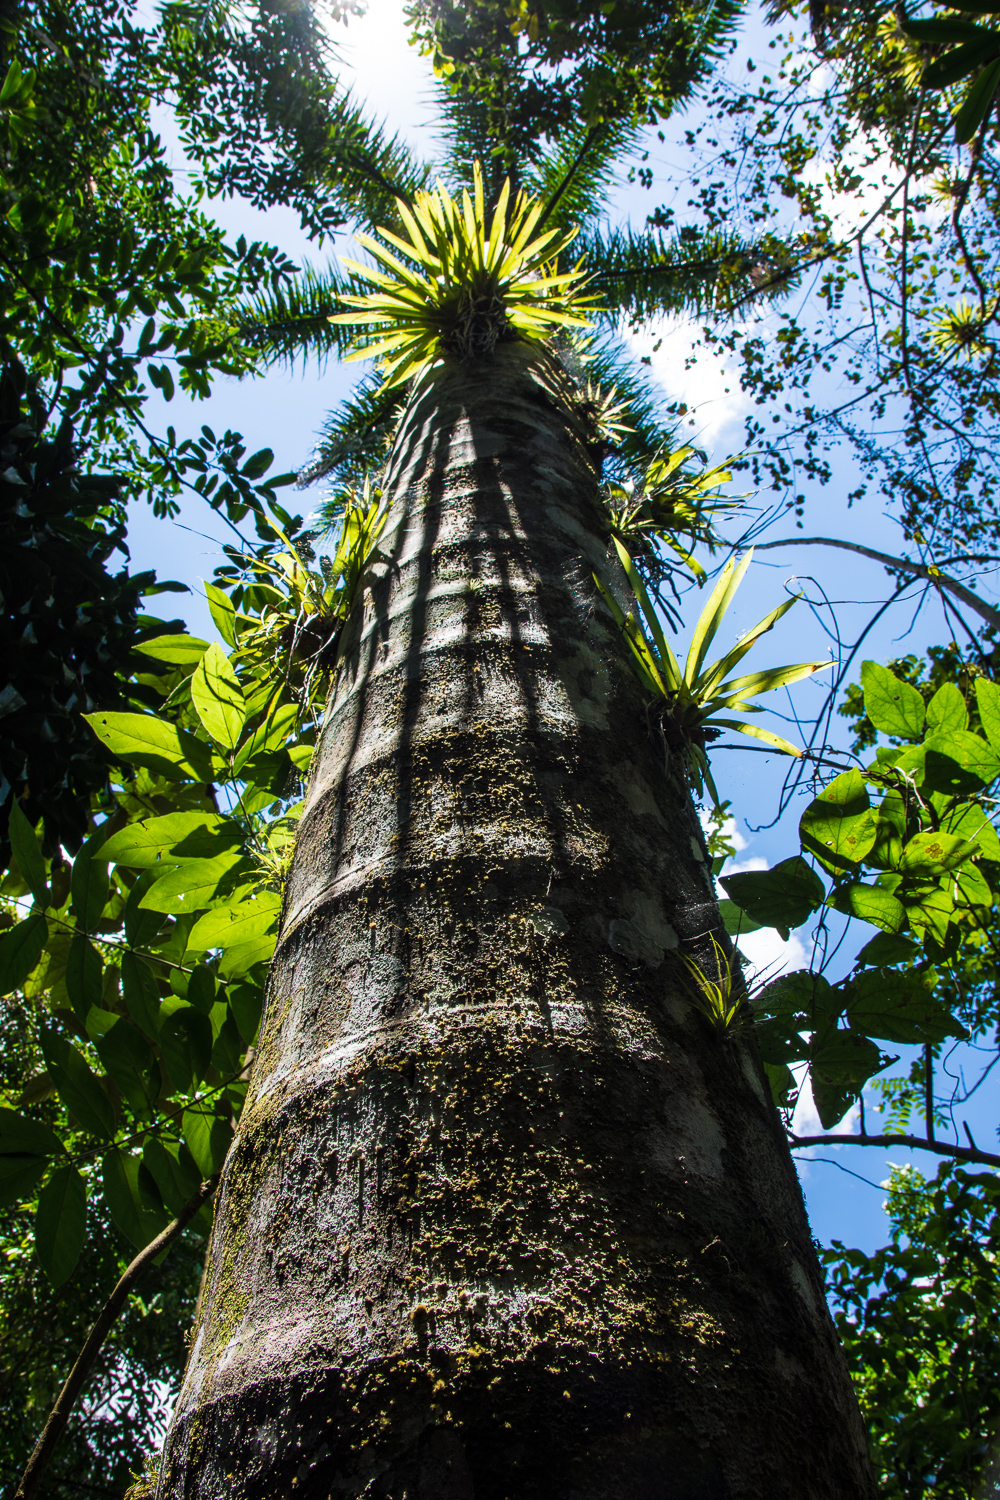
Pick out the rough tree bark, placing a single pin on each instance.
(504, 1218)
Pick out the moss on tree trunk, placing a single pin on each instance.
(504, 1217)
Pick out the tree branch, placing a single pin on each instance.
(918, 1142)
(66, 1400)
(919, 570)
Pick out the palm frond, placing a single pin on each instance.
(355, 438)
(640, 275)
(293, 318)
(575, 177)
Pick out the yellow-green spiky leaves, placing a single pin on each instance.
(460, 287)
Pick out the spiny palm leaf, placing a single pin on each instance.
(354, 437)
(695, 696)
(575, 176)
(639, 275)
(461, 285)
(293, 319)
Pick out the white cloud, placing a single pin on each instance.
(708, 384)
(389, 77)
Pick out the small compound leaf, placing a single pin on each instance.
(144, 740)
(218, 698)
(893, 706)
(27, 852)
(77, 1085)
(60, 1224)
(20, 950)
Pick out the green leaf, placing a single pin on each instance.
(988, 703)
(124, 1053)
(222, 612)
(89, 883)
(218, 698)
(177, 650)
(246, 1002)
(172, 838)
(174, 1171)
(887, 948)
(228, 926)
(28, 854)
(783, 897)
(201, 988)
(21, 1136)
(143, 740)
(894, 707)
(60, 1224)
(928, 855)
(838, 825)
(228, 1050)
(84, 975)
(122, 1194)
(208, 1138)
(258, 464)
(186, 1045)
(840, 1064)
(195, 884)
(18, 1176)
(898, 1007)
(872, 904)
(142, 927)
(141, 993)
(930, 913)
(781, 1081)
(77, 1085)
(735, 920)
(20, 950)
(970, 751)
(276, 729)
(969, 821)
(947, 709)
(977, 103)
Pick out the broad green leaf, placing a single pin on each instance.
(177, 650)
(246, 1001)
(930, 913)
(20, 950)
(195, 884)
(898, 1007)
(273, 734)
(928, 855)
(186, 1046)
(893, 706)
(18, 1176)
(208, 1138)
(27, 852)
(201, 988)
(888, 948)
(973, 888)
(238, 959)
(144, 740)
(84, 973)
(89, 883)
(969, 821)
(838, 825)
(173, 1170)
(141, 993)
(988, 703)
(781, 1081)
(783, 897)
(977, 103)
(228, 1049)
(21, 1136)
(947, 709)
(136, 1221)
(872, 904)
(735, 920)
(218, 698)
(222, 612)
(77, 1085)
(970, 751)
(890, 833)
(228, 926)
(142, 927)
(124, 1053)
(60, 1224)
(172, 838)
(840, 1064)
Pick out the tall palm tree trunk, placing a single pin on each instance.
(505, 1218)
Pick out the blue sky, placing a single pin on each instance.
(285, 410)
